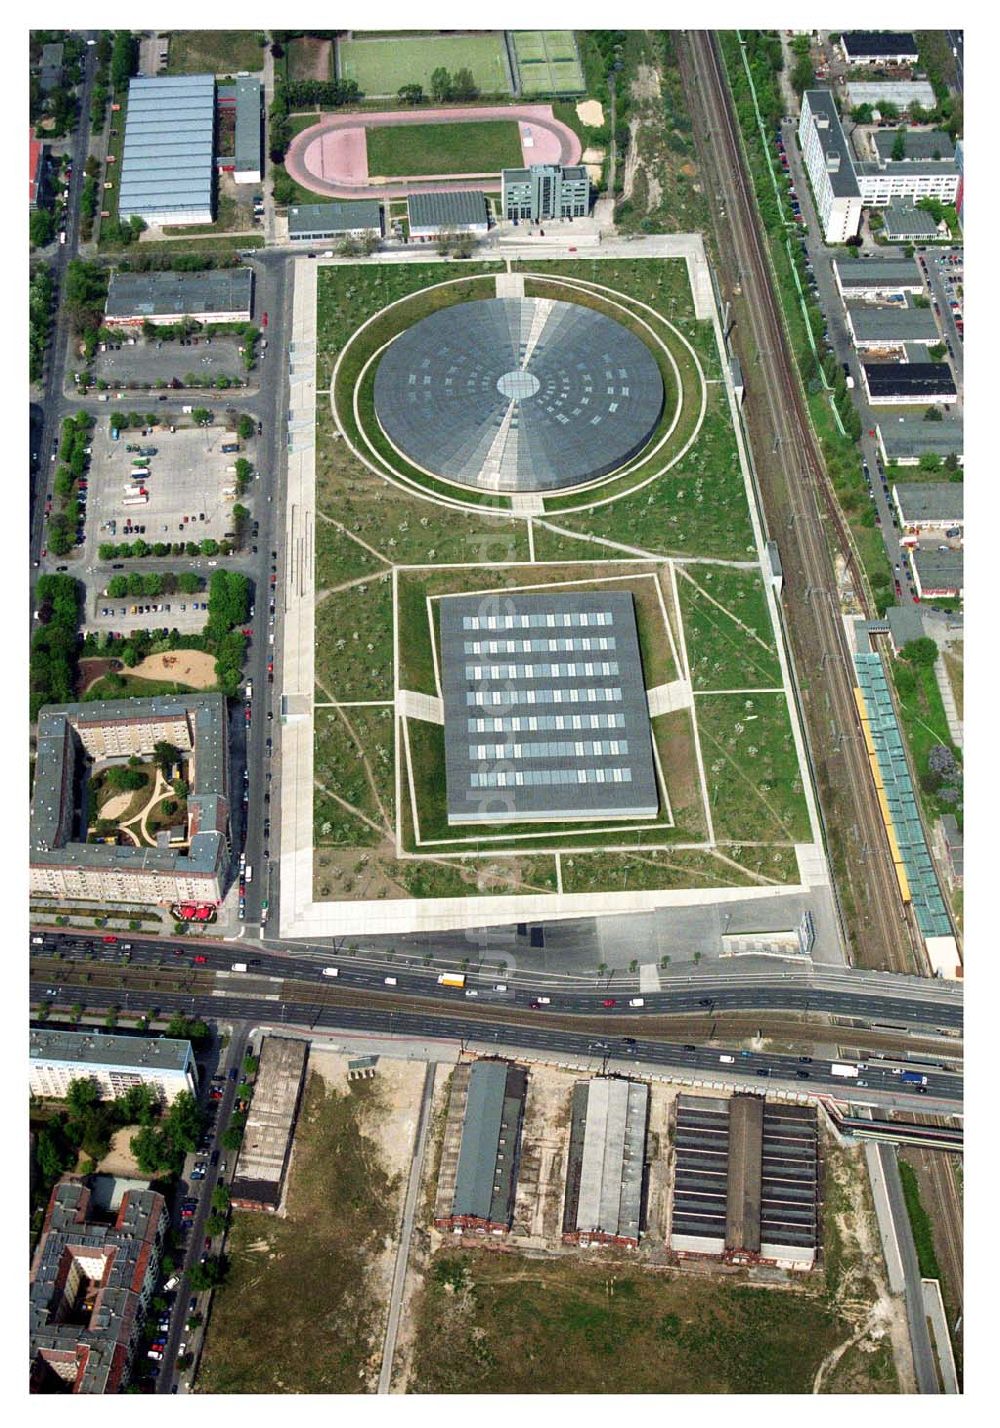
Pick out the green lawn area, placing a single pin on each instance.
(727, 627)
(354, 641)
(340, 768)
(128, 686)
(754, 782)
(382, 66)
(924, 725)
(488, 1323)
(460, 148)
(214, 52)
(304, 1315)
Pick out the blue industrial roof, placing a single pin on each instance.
(158, 173)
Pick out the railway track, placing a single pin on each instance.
(800, 508)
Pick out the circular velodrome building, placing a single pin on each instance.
(518, 394)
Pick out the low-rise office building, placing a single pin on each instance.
(63, 864)
(477, 1183)
(938, 574)
(879, 47)
(545, 191)
(314, 222)
(222, 295)
(919, 146)
(36, 167)
(903, 222)
(904, 442)
(244, 96)
(261, 1166)
(606, 1162)
(908, 383)
(91, 1289)
(929, 507)
(884, 183)
(113, 1063)
(828, 164)
(889, 325)
(432, 214)
(874, 279)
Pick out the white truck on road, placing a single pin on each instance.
(840, 1068)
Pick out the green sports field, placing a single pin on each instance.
(382, 66)
(548, 62)
(412, 149)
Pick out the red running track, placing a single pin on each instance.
(331, 157)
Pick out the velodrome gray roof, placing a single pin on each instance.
(888, 273)
(248, 123)
(929, 500)
(905, 220)
(833, 142)
(906, 439)
(893, 323)
(156, 176)
(545, 708)
(518, 394)
(447, 210)
(919, 144)
(153, 294)
(322, 219)
(139, 1053)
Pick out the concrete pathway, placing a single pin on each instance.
(406, 1230)
(934, 1310)
(948, 700)
(665, 698)
(412, 705)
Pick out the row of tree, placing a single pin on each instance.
(153, 584)
(41, 300)
(52, 661)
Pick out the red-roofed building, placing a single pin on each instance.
(36, 156)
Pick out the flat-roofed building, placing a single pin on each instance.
(249, 133)
(606, 1163)
(64, 865)
(261, 1166)
(460, 211)
(903, 222)
(545, 191)
(938, 574)
(313, 222)
(222, 295)
(929, 506)
(545, 709)
(895, 323)
(919, 145)
(828, 164)
(113, 1063)
(903, 93)
(746, 1181)
(874, 278)
(904, 442)
(51, 67)
(908, 383)
(168, 158)
(884, 183)
(879, 47)
(477, 1187)
(91, 1289)
(36, 167)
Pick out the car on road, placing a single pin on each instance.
(199, 959)
(541, 1002)
(609, 1002)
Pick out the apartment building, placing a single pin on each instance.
(829, 166)
(113, 1063)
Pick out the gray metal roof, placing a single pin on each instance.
(485, 1178)
(902, 92)
(225, 290)
(887, 273)
(940, 570)
(893, 323)
(832, 142)
(893, 169)
(450, 210)
(545, 708)
(249, 136)
(904, 220)
(929, 500)
(518, 394)
(157, 176)
(119, 1053)
(614, 1145)
(905, 439)
(323, 219)
(919, 144)
(267, 1139)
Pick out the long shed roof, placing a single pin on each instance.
(168, 154)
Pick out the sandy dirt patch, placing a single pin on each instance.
(544, 1143)
(193, 667)
(117, 804)
(119, 1159)
(593, 155)
(591, 113)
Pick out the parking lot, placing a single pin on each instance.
(154, 360)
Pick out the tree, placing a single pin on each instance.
(41, 227)
(410, 94)
(215, 1224)
(899, 145)
(245, 427)
(937, 352)
(207, 1275)
(232, 1138)
(283, 186)
(464, 85)
(201, 416)
(922, 653)
(220, 1198)
(441, 84)
(82, 1095)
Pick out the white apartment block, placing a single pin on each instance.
(114, 1063)
(828, 164)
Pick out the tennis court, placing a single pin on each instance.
(382, 66)
(548, 62)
